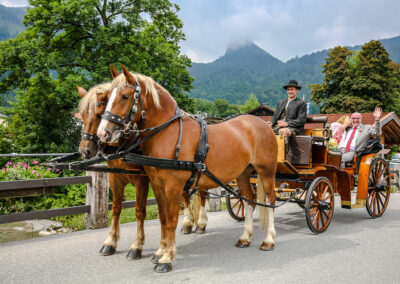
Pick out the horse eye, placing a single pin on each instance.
(98, 116)
(125, 97)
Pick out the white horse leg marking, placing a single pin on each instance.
(168, 256)
(188, 218)
(203, 218)
(248, 223)
(112, 238)
(270, 234)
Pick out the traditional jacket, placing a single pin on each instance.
(296, 114)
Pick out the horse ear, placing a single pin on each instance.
(127, 74)
(81, 91)
(114, 72)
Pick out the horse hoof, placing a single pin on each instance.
(267, 246)
(163, 267)
(155, 259)
(134, 254)
(242, 244)
(186, 230)
(107, 250)
(200, 229)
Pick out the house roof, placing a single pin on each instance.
(260, 107)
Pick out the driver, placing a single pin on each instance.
(290, 114)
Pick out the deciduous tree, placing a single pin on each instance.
(358, 81)
(70, 43)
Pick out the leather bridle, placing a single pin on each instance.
(137, 101)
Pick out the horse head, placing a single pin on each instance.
(91, 107)
(127, 105)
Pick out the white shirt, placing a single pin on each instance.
(346, 137)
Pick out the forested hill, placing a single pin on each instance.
(250, 69)
(11, 21)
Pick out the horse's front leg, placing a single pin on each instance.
(173, 197)
(142, 189)
(188, 219)
(201, 212)
(110, 244)
(162, 204)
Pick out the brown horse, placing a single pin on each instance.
(236, 148)
(91, 108)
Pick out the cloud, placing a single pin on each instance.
(284, 28)
(14, 3)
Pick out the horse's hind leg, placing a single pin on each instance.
(265, 187)
(200, 211)
(110, 244)
(188, 220)
(142, 189)
(243, 182)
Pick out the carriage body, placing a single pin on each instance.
(309, 174)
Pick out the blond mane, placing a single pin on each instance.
(88, 104)
(120, 81)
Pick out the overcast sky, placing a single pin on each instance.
(284, 28)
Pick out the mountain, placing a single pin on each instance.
(249, 69)
(11, 21)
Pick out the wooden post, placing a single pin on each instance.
(97, 198)
(214, 204)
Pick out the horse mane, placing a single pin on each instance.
(88, 104)
(120, 81)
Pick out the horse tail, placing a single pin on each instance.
(196, 207)
(262, 211)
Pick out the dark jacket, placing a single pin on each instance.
(296, 114)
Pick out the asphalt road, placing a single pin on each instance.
(354, 249)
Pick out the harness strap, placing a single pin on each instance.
(156, 129)
(178, 146)
(90, 137)
(200, 155)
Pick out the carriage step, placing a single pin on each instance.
(360, 203)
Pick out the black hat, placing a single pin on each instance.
(292, 83)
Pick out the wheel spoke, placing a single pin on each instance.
(313, 210)
(321, 216)
(315, 217)
(326, 215)
(380, 201)
(327, 197)
(234, 205)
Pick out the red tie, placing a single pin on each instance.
(351, 139)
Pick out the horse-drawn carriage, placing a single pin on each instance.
(309, 174)
(181, 155)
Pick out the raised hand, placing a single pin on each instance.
(377, 113)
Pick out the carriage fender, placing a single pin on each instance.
(363, 172)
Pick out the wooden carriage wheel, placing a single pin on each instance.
(320, 202)
(378, 188)
(235, 205)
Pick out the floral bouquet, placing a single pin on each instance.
(332, 144)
